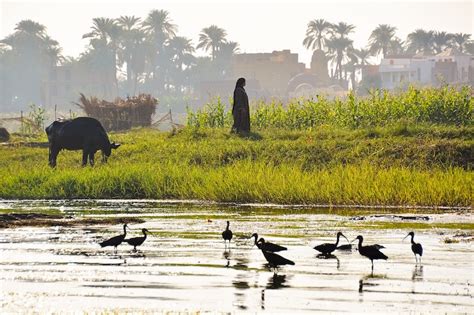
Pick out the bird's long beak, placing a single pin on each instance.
(405, 237)
(353, 240)
(345, 238)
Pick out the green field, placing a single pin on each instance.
(405, 149)
(399, 165)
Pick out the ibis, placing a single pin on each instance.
(370, 251)
(227, 234)
(275, 260)
(416, 248)
(267, 246)
(137, 241)
(327, 248)
(116, 240)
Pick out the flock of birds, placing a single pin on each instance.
(269, 250)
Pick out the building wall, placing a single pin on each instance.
(271, 70)
(64, 84)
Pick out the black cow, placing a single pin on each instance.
(82, 133)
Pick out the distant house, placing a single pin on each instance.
(450, 66)
(271, 70)
(64, 83)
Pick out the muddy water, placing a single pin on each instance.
(184, 266)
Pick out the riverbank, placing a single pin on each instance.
(398, 166)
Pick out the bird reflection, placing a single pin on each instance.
(330, 256)
(363, 282)
(226, 256)
(417, 273)
(276, 282)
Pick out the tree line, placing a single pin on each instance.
(333, 39)
(133, 54)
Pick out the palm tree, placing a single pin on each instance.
(180, 49)
(340, 48)
(103, 49)
(159, 28)
(380, 39)
(212, 38)
(470, 48)
(396, 47)
(441, 41)
(460, 40)
(224, 58)
(316, 34)
(130, 48)
(421, 41)
(363, 56)
(342, 29)
(31, 53)
(180, 53)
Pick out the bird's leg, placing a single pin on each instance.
(372, 266)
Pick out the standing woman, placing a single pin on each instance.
(240, 109)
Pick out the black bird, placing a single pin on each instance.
(328, 248)
(137, 241)
(371, 251)
(275, 260)
(267, 246)
(116, 240)
(416, 248)
(349, 247)
(227, 234)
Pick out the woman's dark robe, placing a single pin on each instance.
(241, 111)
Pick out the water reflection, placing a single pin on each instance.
(226, 256)
(417, 273)
(322, 256)
(365, 281)
(276, 282)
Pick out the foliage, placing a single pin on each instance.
(400, 165)
(36, 118)
(446, 105)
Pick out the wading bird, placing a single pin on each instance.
(116, 240)
(227, 234)
(370, 251)
(416, 248)
(349, 247)
(137, 241)
(328, 248)
(267, 246)
(275, 260)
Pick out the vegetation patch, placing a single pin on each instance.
(14, 220)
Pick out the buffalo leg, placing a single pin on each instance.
(53, 155)
(85, 154)
(91, 158)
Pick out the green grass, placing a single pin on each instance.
(446, 105)
(394, 165)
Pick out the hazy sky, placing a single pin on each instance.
(257, 25)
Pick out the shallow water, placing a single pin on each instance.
(184, 265)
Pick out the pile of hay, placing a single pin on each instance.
(121, 114)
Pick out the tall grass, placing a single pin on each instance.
(446, 105)
(245, 181)
(400, 165)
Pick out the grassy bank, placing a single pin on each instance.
(398, 165)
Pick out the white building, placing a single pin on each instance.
(449, 66)
(397, 71)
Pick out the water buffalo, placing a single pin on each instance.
(82, 133)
